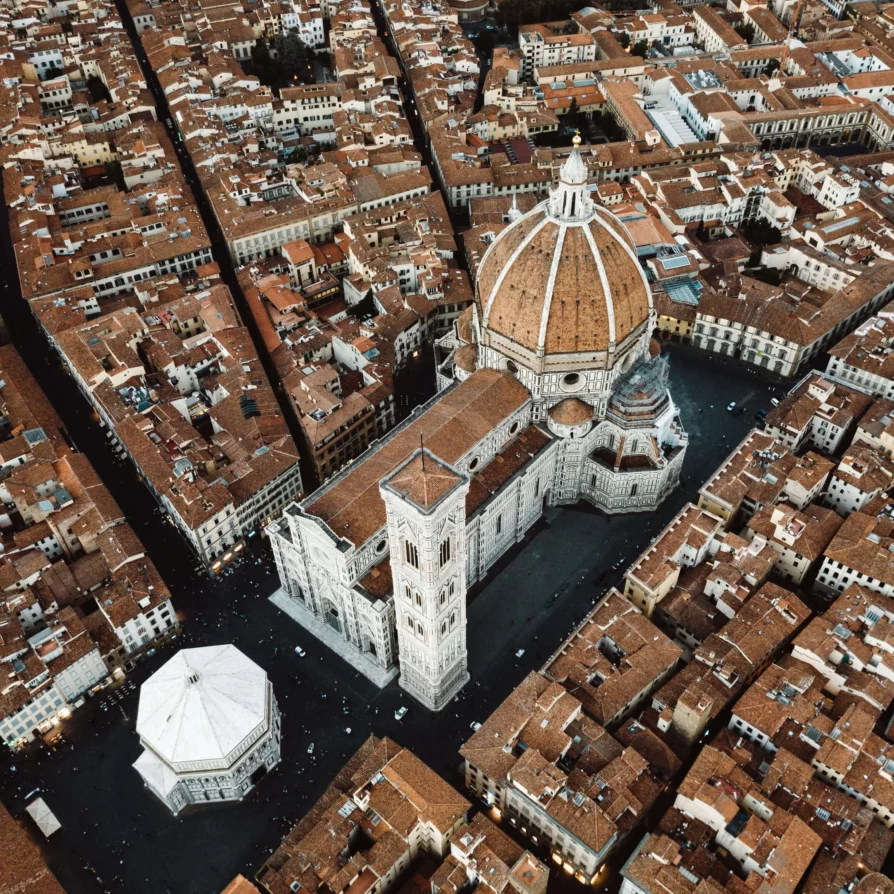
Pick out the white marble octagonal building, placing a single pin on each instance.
(210, 727)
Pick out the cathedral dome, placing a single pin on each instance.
(563, 278)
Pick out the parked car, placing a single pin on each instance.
(760, 415)
(738, 411)
(475, 725)
(519, 653)
(400, 713)
(731, 407)
(310, 748)
(300, 652)
(774, 401)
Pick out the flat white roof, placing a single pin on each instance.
(201, 704)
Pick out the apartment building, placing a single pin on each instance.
(798, 536)
(557, 776)
(180, 388)
(761, 472)
(688, 851)
(818, 412)
(80, 600)
(741, 818)
(47, 672)
(613, 661)
(383, 811)
(859, 554)
(865, 358)
(875, 429)
(685, 542)
(861, 476)
(554, 43)
(774, 326)
(847, 646)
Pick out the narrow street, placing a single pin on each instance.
(412, 115)
(219, 249)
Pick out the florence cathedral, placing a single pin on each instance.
(550, 391)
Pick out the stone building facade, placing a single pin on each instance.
(550, 392)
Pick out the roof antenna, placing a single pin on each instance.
(422, 448)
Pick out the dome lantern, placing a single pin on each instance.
(570, 200)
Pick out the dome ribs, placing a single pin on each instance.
(518, 303)
(548, 294)
(578, 316)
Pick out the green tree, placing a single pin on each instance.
(624, 39)
(116, 175)
(761, 232)
(512, 13)
(745, 30)
(640, 48)
(700, 231)
(486, 43)
(771, 68)
(260, 55)
(292, 54)
(98, 90)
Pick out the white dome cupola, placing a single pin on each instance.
(570, 200)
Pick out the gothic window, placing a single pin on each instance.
(499, 524)
(443, 598)
(537, 487)
(418, 599)
(409, 622)
(411, 554)
(444, 628)
(452, 618)
(445, 552)
(633, 489)
(451, 589)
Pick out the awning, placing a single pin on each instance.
(43, 816)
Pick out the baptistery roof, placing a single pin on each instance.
(201, 704)
(563, 278)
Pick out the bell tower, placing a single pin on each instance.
(425, 502)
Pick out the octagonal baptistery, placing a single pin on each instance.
(210, 726)
(561, 299)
